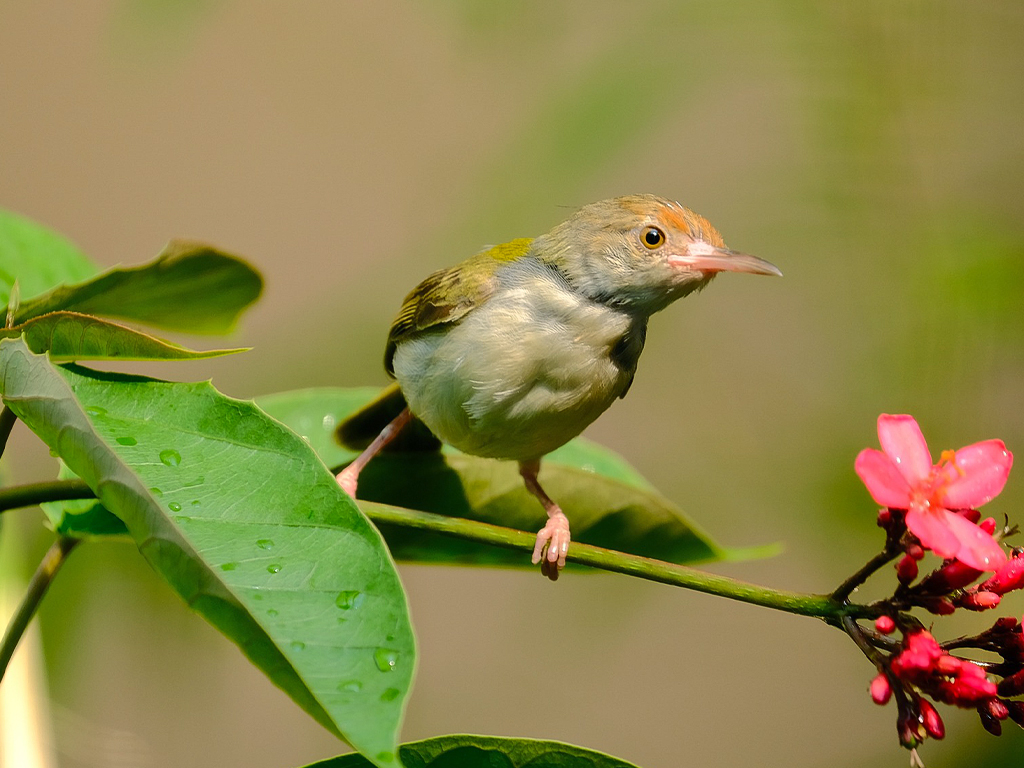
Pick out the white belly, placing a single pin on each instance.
(518, 376)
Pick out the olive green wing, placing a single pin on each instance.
(448, 294)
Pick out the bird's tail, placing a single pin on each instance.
(358, 430)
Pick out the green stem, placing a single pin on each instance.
(37, 586)
(803, 604)
(36, 493)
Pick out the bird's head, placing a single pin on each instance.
(641, 252)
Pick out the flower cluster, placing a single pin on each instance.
(933, 507)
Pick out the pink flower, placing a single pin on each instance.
(902, 476)
(1008, 577)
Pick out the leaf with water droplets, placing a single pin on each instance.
(265, 553)
(170, 457)
(468, 751)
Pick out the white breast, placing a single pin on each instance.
(520, 375)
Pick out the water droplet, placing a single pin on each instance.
(297, 645)
(342, 619)
(274, 567)
(193, 483)
(386, 757)
(228, 566)
(95, 410)
(174, 506)
(170, 457)
(350, 685)
(265, 543)
(156, 491)
(390, 694)
(257, 596)
(271, 612)
(196, 503)
(127, 441)
(389, 638)
(54, 453)
(329, 422)
(350, 598)
(385, 659)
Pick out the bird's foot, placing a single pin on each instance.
(348, 479)
(552, 544)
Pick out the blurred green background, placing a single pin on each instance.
(874, 151)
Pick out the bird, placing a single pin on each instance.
(516, 350)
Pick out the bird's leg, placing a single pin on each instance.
(555, 534)
(348, 478)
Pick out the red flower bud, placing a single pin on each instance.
(988, 525)
(880, 689)
(1010, 576)
(932, 722)
(948, 665)
(1012, 685)
(952, 575)
(971, 685)
(906, 569)
(997, 709)
(910, 731)
(884, 518)
(1015, 711)
(990, 723)
(971, 514)
(1005, 623)
(979, 601)
(940, 606)
(885, 624)
(916, 551)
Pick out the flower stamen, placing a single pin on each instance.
(949, 457)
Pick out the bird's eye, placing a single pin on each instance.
(652, 237)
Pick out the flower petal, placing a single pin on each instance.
(977, 548)
(931, 526)
(978, 477)
(903, 442)
(882, 478)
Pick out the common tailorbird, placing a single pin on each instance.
(513, 352)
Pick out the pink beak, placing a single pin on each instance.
(706, 257)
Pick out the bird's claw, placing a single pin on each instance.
(552, 545)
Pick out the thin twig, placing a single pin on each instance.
(37, 586)
(36, 493)
(867, 647)
(844, 590)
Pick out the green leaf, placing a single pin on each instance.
(190, 287)
(246, 524)
(608, 503)
(467, 751)
(37, 258)
(70, 336)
